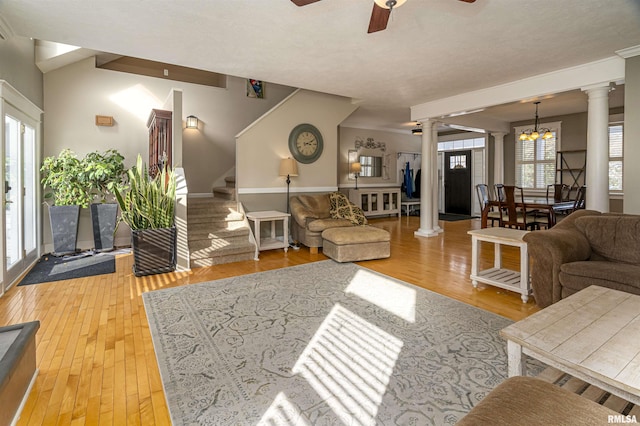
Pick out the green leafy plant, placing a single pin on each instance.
(63, 180)
(149, 202)
(103, 173)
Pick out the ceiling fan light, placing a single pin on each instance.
(389, 4)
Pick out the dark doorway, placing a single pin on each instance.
(457, 182)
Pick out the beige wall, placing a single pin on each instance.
(632, 135)
(75, 94)
(261, 147)
(17, 67)
(394, 142)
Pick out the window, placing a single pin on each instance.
(461, 144)
(616, 138)
(536, 159)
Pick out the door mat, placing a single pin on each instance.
(51, 268)
(450, 217)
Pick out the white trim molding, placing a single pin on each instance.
(283, 190)
(629, 52)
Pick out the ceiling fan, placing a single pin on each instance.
(380, 14)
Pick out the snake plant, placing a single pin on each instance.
(149, 202)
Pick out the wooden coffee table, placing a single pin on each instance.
(591, 335)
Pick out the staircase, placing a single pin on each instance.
(218, 232)
(227, 192)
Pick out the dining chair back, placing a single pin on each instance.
(515, 208)
(559, 191)
(581, 198)
(482, 189)
(500, 192)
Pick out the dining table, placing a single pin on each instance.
(549, 206)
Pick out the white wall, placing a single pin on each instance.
(75, 94)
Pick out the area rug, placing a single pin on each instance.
(51, 268)
(321, 344)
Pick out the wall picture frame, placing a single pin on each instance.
(255, 88)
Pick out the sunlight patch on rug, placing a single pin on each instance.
(321, 343)
(396, 298)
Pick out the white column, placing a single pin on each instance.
(426, 189)
(498, 157)
(434, 178)
(597, 175)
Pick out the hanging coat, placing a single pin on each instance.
(408, 181)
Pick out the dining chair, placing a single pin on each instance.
(516, 210)
(482, 189)
(581, 198)
(560, 192)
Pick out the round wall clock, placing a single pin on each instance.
(305, 143)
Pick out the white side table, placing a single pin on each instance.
(273, 241)
(499, 276)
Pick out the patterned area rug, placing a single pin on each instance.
(321, 344)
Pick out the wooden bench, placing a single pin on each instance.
(17, 368)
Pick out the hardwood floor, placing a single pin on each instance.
(94, 351)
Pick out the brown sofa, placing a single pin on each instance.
(587, 248)
(530, 401)
(311, 216)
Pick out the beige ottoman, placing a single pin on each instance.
(356, 243)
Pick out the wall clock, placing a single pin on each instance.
(305, 143)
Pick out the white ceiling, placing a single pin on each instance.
(431, 49)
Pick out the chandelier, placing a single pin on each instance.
(533, 134)
(417, 130)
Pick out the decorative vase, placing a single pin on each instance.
(154, 251)
(103, 217)
(64, 228)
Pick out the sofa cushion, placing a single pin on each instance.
(319, 225)
(616, 275)
(612, 237)
(342, 208)
(318, 204)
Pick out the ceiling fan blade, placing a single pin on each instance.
(379, 19)
(468, 1)
(305, 2)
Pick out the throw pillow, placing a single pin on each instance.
(342, 208)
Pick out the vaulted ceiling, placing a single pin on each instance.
(431, 49)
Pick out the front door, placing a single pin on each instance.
(457, 182)
(19, 195)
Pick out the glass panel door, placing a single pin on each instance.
(20, 189)
(13, 222)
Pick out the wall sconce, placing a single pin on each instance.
(192, 122)
(356, 168)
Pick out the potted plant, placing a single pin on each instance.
(62, 180)
(148, 208)
(103, 172)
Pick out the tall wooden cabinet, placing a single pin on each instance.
(160, 140)
(377, 201)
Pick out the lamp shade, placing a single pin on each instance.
(356, 167)
(192, 122)
(288, 167)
